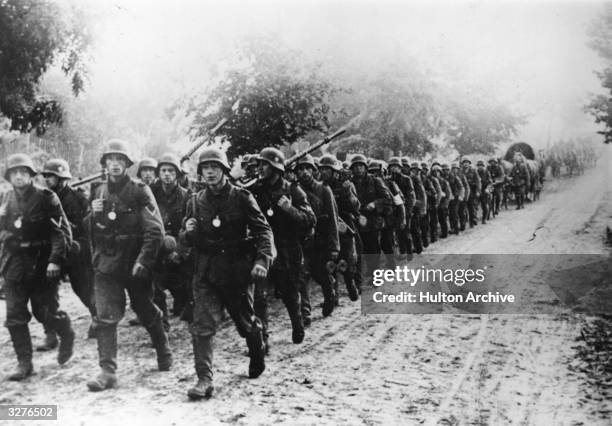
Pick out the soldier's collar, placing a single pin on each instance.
(26, 193)
(117, 186)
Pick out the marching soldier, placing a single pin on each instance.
(174, 268)
(463, 204)
(79, 265)
(291, 218)
(233, 246)
(374, 198)
(434, 195)
(447, 196)
(348, 210)
(36, 238)
(473, 180)
(520, 179)
(486, 185)
(127, 232)
(405, 185)
(322, 249)
(419, 211)
(146, 171)
(458, 190)
(498, 178)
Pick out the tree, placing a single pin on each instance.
(35, 35)
(270, 98)
(600, 106)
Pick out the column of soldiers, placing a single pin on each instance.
(221, 249)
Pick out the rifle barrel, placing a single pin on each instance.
(208, 135)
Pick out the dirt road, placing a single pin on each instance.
(375, 369)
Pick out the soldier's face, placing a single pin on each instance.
(167, 174)
(116, 165)
(326, 173)
(212, 173)
(251, 170)
(20, 177)
(395, 169)
(465, 166)
(51, 180)
(304, 172)
(265, 170)
(147, 175)
(359, 170)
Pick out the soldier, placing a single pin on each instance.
(147, 170)
(434, 195)
(486, 185)
(447, 197)
(498, 178)
(404, 183)
(174, 267)
(374, 198)
(519, 179)
(127, 232)
(291, 218)
(419, 211)
(463, 204)
(394, 213)
(36, 238)
(458, 189)
(233, 246)
(79, 265)
(473, 180)
(322, 249)
(348, 211)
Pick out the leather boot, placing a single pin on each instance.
(297, 326)
(159, 338)
(22, 343)
(351, 288)
(328, 299)
(66, 335)
(107, 352)
(203, 356)
(257, 365)
(50, 342)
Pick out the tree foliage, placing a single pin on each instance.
(600, 106)
(35, 35)
(271, 97)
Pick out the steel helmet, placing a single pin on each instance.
(493, 160)
(57, 167)
(424, 165)
(358, 159)
(330, 161)
(405, 161)
(274, 157)
(245, 160)
(213, 155)
(170, 159)
(465, 158)
(375, 165)
(445, 166)
(395, 161)
(116, 146)
(19, 160)
(454, 165)
(308, 160)
(480, 163)
(146, 162)
(414, 165)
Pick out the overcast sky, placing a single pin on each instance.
(532, 54)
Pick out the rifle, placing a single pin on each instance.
(208, 135)
(91, 178)
(299, 155)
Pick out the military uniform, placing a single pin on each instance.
(445, 200)
(520, 181)
(473, 180)
(34, 232)
(404, 183)
(463, 205)
(434, 195)
(498, 178)
(289, 228)
(419, 211)
(129, 230)
(458, 191)
(486, 185)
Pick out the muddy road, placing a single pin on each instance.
(375, 369)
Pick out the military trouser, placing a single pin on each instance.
(497, 196)
(463, 214)
(404, 238)
(443, 220)
(519, 193)
(175, 279)
(41, 293)
(81, 274)
(415, 231)
(222, 281)
(387, 244)
(424, 221)
(315, 260)
(284, 279)
(432, 215)
(472, 207)
(109, 293)
(348, 256)
(371, 252)
(453, 215)
(484, 205)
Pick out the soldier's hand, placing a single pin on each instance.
(191, 224)
(258, 272)
(139, 271)
(402, 226)
(174, 258)
(97, 205)
(284, 202)
(371, 206)
(53, 271)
